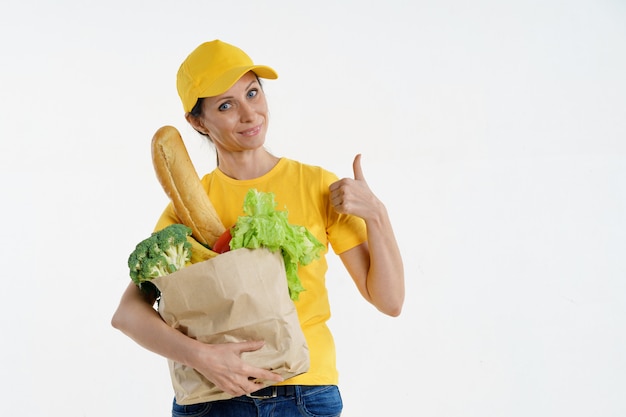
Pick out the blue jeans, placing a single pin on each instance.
(312, 401)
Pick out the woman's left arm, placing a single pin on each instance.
(376, 265)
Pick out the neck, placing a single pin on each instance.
(247, 165)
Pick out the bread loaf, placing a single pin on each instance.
(181, 183)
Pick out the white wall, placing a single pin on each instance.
(494, 132)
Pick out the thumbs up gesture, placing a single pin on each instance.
(353, 195)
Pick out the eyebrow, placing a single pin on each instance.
(247, 87)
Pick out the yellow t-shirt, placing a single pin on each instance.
(301, 190)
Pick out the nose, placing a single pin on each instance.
(246, 112)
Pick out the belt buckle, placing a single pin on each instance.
(274, 394)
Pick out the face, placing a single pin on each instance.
(236, 121)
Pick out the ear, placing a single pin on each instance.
(196, 123)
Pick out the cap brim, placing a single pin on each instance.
(228, 79)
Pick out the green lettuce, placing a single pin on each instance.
(264, 226)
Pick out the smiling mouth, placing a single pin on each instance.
(252, 132)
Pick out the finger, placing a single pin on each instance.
(250, 346)
(356, 167)
(259, 375)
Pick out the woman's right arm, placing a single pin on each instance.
(219, 363)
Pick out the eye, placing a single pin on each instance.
(224, 106)
(252, 93)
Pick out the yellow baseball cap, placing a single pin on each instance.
(211, 69)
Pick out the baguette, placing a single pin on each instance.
(181, 183)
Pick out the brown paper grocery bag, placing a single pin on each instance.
(237, 296)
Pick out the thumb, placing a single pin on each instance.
(356, 167)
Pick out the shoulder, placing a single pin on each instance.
(208, 178)
(309, 171)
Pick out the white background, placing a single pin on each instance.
(494, 131)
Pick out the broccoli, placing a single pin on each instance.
(164, 252)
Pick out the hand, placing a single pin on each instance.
(353, 196)
(222, 365)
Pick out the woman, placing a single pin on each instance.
(222, 97)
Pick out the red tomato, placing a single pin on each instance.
(222, 244)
